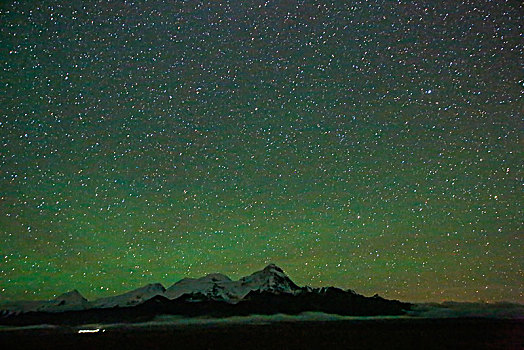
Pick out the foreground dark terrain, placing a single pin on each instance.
(400, 333)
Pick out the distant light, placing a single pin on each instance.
(90, 330)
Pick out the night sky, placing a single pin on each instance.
(372, 145)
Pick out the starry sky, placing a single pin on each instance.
(373, 145)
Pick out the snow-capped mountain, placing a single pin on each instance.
(270, 279)
(17, 307)
(268, 291)
(215, 286)
(68, 301)
(72, 297)
(131, 298)
(220, 287)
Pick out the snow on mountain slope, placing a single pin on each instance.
(131, 298)
(220, 287)
(215, 286)
(72, 297)
(68, 301)
(270, 279)
(17, 307)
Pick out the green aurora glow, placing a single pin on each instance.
(372, 145)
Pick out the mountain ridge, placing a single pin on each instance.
(265, 291)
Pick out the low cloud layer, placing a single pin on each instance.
(454, 310)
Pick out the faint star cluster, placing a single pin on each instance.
(373, 145)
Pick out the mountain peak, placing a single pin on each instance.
(215, 277)
(271, 278)
(131, 298)
(272, 267)
(152, 287)
(71, 297)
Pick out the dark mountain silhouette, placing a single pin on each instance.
(266, 292)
